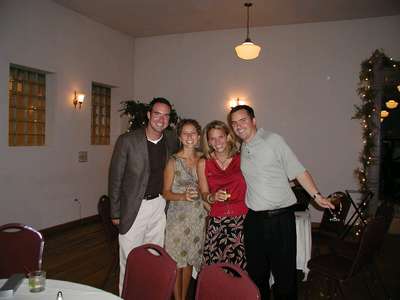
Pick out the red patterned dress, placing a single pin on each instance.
(224, 238)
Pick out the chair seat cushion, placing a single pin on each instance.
(332, 266)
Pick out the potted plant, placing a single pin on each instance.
(136, 111)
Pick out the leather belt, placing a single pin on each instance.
(275, 212)
(150, 196)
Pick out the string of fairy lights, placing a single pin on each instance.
(370, 115)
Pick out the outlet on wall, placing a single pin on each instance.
(82, 156)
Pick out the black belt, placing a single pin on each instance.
(274, 212)
(150, 196)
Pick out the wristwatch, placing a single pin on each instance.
(316, 194)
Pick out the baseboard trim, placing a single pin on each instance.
(69, 225)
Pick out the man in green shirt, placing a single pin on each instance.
(268, 164)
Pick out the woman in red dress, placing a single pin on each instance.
(222, 185)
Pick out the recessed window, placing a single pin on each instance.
(27, 106)
(101, 107)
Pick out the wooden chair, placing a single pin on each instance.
(111, 232)
(328, 229)
(21, 249)
(225, 281)
(150, 274)
(303, 198)
(366, 196)
(340, 270)
(349, 249)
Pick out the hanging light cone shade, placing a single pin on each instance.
(248, 50)
(391, 104)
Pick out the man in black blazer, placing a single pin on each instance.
(136, 179)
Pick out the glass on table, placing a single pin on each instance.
(37, 281)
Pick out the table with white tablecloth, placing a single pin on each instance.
(303, 231)
(70, 291)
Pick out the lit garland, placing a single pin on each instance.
(367, 112)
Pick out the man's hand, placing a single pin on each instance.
(307, 182)
(323, 202)
(115, 221)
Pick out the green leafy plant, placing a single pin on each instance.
(136, 111)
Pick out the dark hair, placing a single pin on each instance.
(159, 100)
(248, 109)
(184, 122)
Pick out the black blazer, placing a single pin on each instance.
(129, 173)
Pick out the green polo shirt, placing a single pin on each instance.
(268, 164)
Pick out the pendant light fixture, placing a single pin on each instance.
(248, 50)
(391, 104)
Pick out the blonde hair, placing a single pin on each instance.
(231, 140)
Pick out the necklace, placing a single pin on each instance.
(222, 163)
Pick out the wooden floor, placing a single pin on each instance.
(82, 255)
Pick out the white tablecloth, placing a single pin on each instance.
(70, 290)
(303, 231)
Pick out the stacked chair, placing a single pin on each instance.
(329, 230)
(21, 249)
(349, 264)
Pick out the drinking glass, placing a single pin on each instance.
(226, 202)
(336, 200)
(37, 281)
(191, 188)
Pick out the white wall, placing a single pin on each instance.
(303, 85)
(38, 184)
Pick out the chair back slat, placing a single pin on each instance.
(21, 249)
(150, 274)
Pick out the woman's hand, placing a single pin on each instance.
(221, 195)
(191, 194)
(206, 206)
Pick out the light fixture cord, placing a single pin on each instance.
(248, 20)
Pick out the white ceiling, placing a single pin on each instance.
(140, 18)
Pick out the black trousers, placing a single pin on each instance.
(270, 244)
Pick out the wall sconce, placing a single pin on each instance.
(235, 102)
(78, 99)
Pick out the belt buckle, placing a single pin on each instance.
(151, 196)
